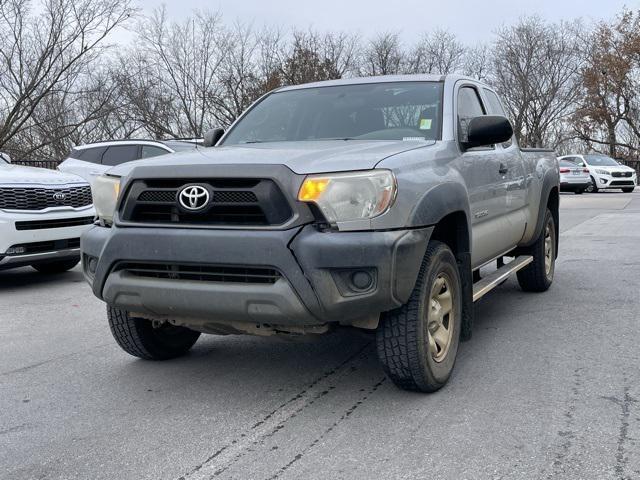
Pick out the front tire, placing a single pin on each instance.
(58, 266)
(140, 338)
(628, 190)
(538, 275)
(592, 188)
(417, 343)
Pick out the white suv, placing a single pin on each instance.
(605, 172)
(42, 215)
(92, 160)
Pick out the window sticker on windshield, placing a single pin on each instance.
(413, 139)
(425, 124)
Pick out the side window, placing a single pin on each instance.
(493, 102)
(118, 154)
(149, 151)
(496, 108)
(92, 155)
(469, 106)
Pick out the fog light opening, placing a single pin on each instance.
(361, 280)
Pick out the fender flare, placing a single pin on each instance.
(440, 201)
(549, 182)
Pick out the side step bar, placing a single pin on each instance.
(491, 281)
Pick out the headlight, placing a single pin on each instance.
(602, 172)
(105, 197)
(344, 197)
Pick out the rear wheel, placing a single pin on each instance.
(538, 275)
(628, 190)
(418, 342)
(579, 191)
(59, 266)
(141, 338)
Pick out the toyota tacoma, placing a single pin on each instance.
(388, 204)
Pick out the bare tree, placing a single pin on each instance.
(41, 57)
(609, 111)
(437, 52)
(383, 55)
(183, 61)
(536, 66)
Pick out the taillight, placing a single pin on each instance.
(564, 170)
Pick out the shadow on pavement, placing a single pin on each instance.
(26, 277)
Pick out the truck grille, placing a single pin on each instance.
(621, 174)
(38, 198)
(232, 202)
(202, 273)
(59, 223)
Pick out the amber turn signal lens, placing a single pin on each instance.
(312, 188)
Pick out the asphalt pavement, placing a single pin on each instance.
(549, 386)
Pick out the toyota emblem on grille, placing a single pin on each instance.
(59, 196)
(193, 198)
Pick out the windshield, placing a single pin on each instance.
(600, 161)
(377, 111)
(567, 163)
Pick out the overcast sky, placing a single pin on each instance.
(471, 20)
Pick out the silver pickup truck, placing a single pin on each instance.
(371, 203)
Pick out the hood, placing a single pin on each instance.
(18, 175)
(618, 168)
(301, 157)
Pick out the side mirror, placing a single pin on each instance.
(5, 157)
(488, 130)
(212, 136)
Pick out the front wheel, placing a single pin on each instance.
(538, 275)
(592, 188)
(141, 338)
(58, 266)
(628, 190)
(418, 342)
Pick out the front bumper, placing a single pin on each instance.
(38, 245)
(604, 182)
(316, 273)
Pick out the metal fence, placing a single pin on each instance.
(51, 164)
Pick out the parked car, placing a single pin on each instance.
(89, 161)
(366, 202)
(574, 178)
(42, 215)
(605, 172)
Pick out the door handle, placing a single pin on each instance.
(503, 169)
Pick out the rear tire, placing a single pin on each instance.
(538, 275)
(628, 190)
(58, 266)
(138, 336)
(579, 192)
(417, 343)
